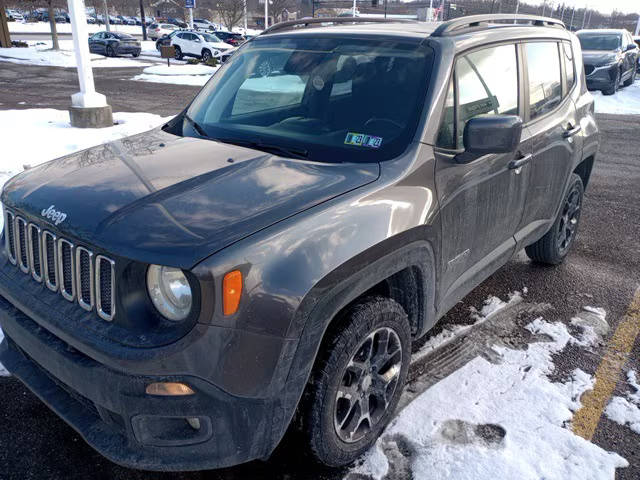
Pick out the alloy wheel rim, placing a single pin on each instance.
(569, 220)
(367, 385)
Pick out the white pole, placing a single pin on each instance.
(584, 17)
(637, 27)
(517, 8)
(245, 16)
(87, 96)
(354, 8)
(106, 17)
(266, 14)
(191, 18)
(572, 14)
(430, 11)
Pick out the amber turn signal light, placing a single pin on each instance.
(231, 291)
(169, 389)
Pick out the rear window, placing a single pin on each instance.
(338, 99)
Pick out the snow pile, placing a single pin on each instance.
(626, 411)
(40, 53)
(180, 70)
(593, 321)
(194, 75)
(625, 101)
(490, 421)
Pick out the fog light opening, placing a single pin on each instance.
(194, 423)
(169, 389)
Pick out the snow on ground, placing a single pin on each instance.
(196, 75)
(626, 411)
(40, 53)
(489, 421)
(625, 101)
(56, 138)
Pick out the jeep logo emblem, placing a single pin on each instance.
(56, 216)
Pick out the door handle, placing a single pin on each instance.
(519, 162)
(572, 131)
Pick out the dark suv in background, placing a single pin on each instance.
(610, 57)
(180, 297)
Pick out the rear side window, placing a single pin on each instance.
(569, 66)
(487, 84)
(543, 64)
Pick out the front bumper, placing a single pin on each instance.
(602, 78)
(111, 411)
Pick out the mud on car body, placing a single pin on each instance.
(180, 295)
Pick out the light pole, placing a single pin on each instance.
(354, 8)
(266, 14)
(245, 16)
(89, 109)
(637, 26)
(106, 16)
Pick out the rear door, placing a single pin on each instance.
(482, 201)
(554, 127)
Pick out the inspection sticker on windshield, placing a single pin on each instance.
(362, 140)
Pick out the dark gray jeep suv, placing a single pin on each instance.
(266, 258)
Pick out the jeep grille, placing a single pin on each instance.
(71, 270)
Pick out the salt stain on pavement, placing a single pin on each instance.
(487, 421)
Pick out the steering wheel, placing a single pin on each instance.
(374, 121)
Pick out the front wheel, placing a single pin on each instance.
(206, 56)
(614, 87)
(629, 81)
(110, 51)
(357, 380)
(178, 53)
(554, 246)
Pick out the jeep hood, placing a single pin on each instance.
(159, 198)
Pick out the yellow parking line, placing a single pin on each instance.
(586, 419)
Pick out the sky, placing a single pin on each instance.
(605, 6)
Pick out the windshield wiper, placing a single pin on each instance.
(196, 126)
(266, 147)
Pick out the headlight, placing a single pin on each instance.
(170, 292)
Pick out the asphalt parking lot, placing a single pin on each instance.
(602, 270)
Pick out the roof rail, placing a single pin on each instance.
(458, 25)
(304, 22)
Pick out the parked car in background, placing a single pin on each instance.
(157, 30)
(203, 24)
(14, 15)
(112, 44)
(126, 20)
(610, 57)
(267, 260)
(91, 19)
(234, 39)
(637, 41)
(197, 44)
(165, 40)
(178, 22)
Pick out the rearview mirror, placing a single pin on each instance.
(485, 134)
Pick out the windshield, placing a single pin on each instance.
(210, 38)
(335, 99)
(599, 42)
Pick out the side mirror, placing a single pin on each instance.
(485, 134)
(631, 46)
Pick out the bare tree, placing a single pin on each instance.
(50, 5)
(277, 7)
(230, 12)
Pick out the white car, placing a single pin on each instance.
(157, 30)
(14, 16)
(197, 44)
(203, 24)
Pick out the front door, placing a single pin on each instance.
(555, 132)
(481, 202)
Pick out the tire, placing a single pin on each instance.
(110, 51)
(328, 413)
(555, 245)
(614, 87)
(178, 55)
(206, 55)
(631, 79)
(135, 54)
